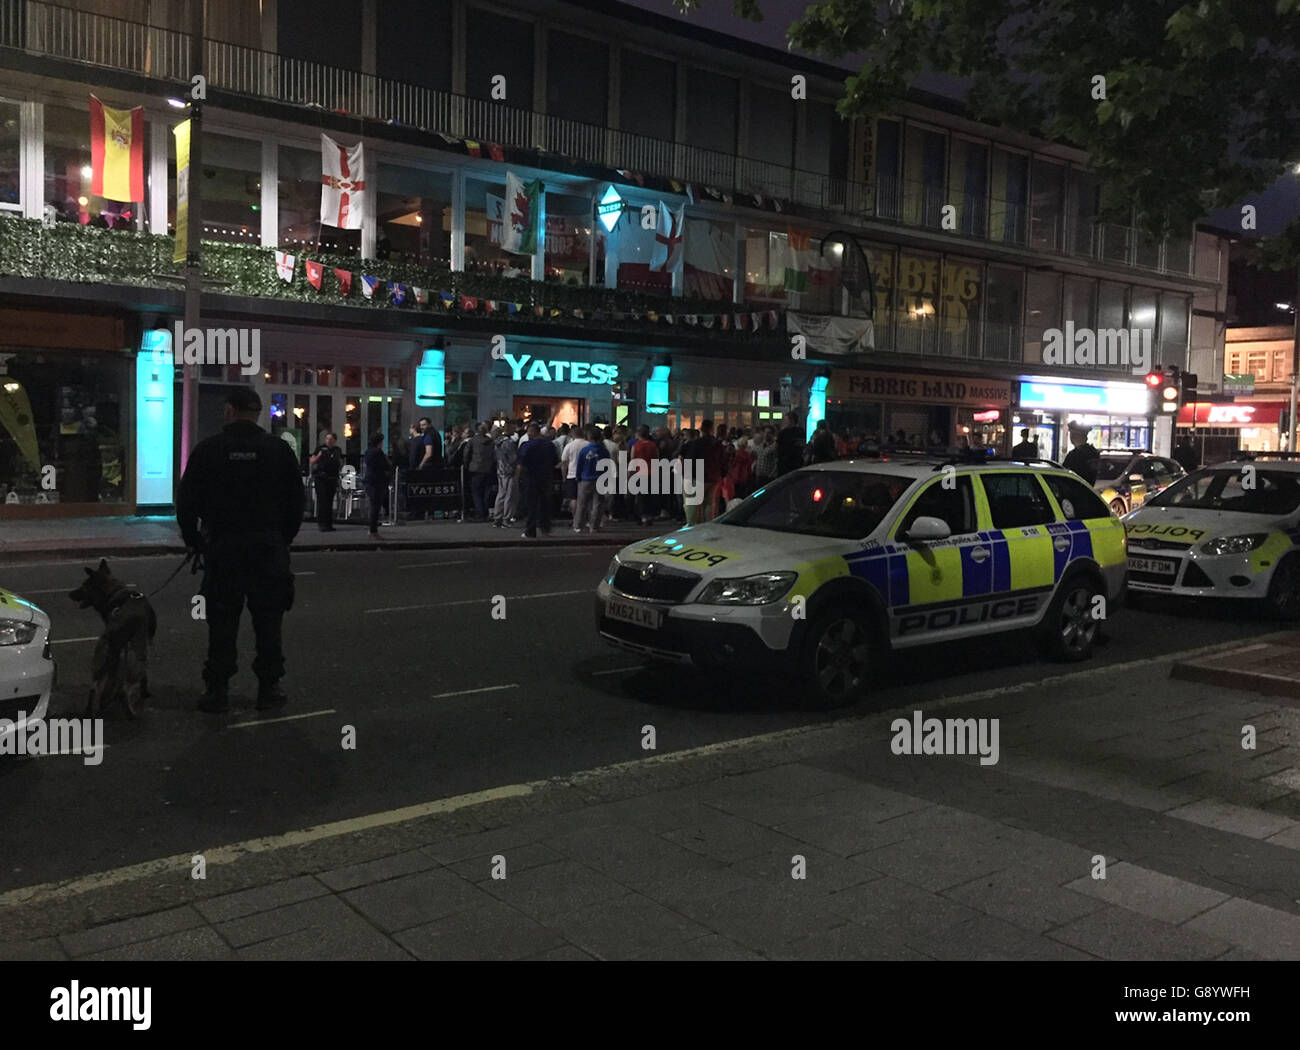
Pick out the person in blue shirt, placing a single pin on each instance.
(537, 463)
(426, 446)
(590, 505)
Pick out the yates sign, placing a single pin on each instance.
(894, 386)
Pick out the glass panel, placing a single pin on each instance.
(299, 193)
(709, 264)
(959, 334)
(1148, 250)
(351, 438)
(10, 149)
(764, 266)
(350, 376)
(1084, 190)
(1080, 301)
(413, 212)
(889, 197)
(1110, 305)
(1048, 204)
(68, 173)
(968, 186)
(712, 101)
(568, 239)
(917, 303)
(232, 189)
(300, 424)
(924, 177)
(1003, 313)
(647, 96)
(324, 376)
(1142, 309)
(884, 269)
(484, 218)
(1043, 311)
(577, 78)
(1173, 329)
(1008, 203)
(771, 125)
(324, 418)
(497, 44)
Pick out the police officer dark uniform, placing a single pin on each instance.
(326, 465)
(241, 503)
(1083, 458)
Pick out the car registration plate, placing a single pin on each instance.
(634, 613)
(1160, 566)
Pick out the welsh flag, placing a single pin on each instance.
(519, 233)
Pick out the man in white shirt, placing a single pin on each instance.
(569, 469)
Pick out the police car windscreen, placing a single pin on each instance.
(1245, 490)
(841, 504)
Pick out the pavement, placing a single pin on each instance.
(102, 537)
(1122, 819)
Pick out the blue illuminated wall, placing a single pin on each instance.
(816, 404)
(154, 419)
(431, 379)
(656, 390)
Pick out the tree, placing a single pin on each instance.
(1181, 107)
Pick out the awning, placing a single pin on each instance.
(1237, 414)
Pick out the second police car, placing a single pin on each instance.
(829, 567)
(1227, 531)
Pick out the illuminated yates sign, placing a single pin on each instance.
(558, 371)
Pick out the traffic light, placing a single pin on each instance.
(1171, 390)
(1155, 380)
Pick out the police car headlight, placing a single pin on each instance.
(748, 590)
(16, 632)
(1234, 544)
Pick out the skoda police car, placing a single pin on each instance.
(1226, 531)
(26, 665)
(830, 566)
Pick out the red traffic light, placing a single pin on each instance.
(1155, 378)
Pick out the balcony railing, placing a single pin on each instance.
(104, 41)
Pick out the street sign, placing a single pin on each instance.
(1239, 383)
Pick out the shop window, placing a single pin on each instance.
(568, 239)
(232, 189)
(1016, 500)
(10, 156)
(68, 172)
(299, 193)
(709, 263)
(413, 216)
(764, 266)
(68, 416)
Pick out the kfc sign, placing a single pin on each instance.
(1238, 414)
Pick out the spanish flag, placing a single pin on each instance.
(116, 152)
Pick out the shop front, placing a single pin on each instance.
(67, 415)
(918, 411)
(546, 383)
(1218, 431)
(682, 392)
(1114, 412)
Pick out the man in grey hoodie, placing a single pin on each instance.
(506, 454)
(481, 467)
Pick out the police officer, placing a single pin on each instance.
(241, 504)
(326, 465)
(1083, 458)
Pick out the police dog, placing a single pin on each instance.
(120, 669)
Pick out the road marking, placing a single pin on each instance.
(299, 572)
(467, 692)
(580, 554)
(432, 564)
(477, 601)
(286, 718)
(52, 891)
(619, 670)
(69, 641)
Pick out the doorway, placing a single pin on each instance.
(551, 410)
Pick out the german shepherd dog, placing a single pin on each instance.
(120, 669)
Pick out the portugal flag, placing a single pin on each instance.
(116, 152)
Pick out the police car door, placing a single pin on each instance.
(942, 575)
(1025, 543)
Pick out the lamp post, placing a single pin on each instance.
(193, 260)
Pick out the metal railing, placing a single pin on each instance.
(105, 41)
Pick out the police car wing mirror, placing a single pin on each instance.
(926, 528)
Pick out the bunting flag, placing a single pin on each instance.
(555, 312)
(668, 318)
(756, 320)
(726, 322)
(397, 293)
(512, 308)
(421, 294)
(116, 152)
(652, 316)
(473, 148)
(447, 299)
(343, 182)
(368, 286)
(539, 310)
(284, 265)
(771, 319)
(345, 281)
(709, 320)
(692, 320)
(489, 306)
(468, 303)
(496, 152)
(742, 321)
(315, 273)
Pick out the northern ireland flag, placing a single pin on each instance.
(345, 281)
(284, 265)
(315, 273)
(116, 152)
(343, 183)
(670, 234)
(519, 232)
(368, 286)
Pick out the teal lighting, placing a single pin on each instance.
(431, 380)
(656, 390)
(609, 209)
(154, 418)
(817, 403)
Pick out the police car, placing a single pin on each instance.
(26, 665)
(1226, 531)
(828, 567)
(1127, 478)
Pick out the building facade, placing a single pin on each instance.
(899, 275)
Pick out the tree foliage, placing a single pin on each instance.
(1202, 99)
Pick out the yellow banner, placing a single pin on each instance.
(182, 133)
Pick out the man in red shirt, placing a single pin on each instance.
(707, 450)
(645, 451)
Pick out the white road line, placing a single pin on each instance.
(180, 865)
(286, 718)
(69, 641)
(478, 601)
(467, 692)
(432, 564)
(619, 670)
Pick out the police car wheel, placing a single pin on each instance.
(837, 657)
(1119, 507)
(1283, 599)
(1069, 629)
